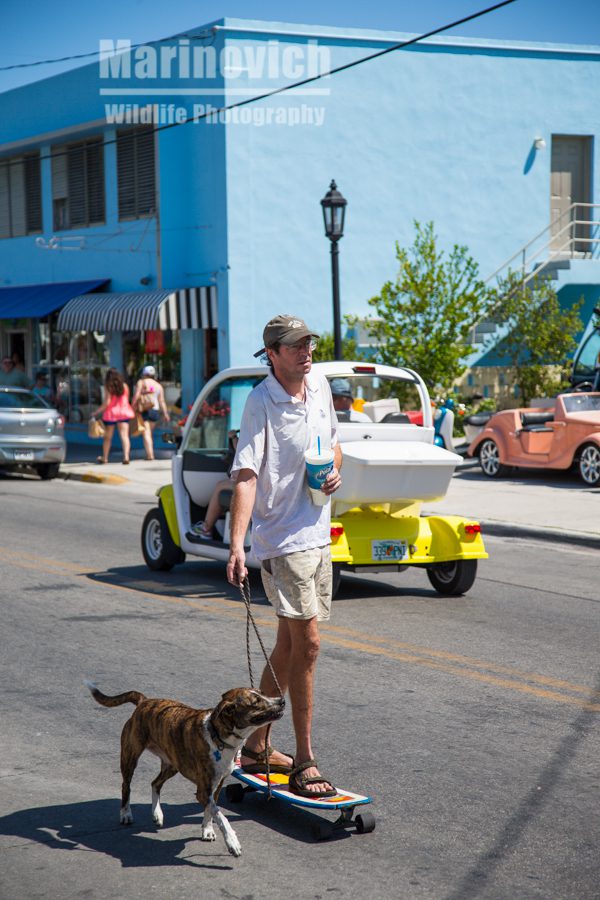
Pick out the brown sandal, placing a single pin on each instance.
(260, 766)
(298, 782)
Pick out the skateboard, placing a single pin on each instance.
(344, 801)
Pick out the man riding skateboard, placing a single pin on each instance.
(288, 413)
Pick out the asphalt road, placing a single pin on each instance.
(473, 722)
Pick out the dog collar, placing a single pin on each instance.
(221, 744)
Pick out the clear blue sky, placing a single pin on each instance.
(32, 30)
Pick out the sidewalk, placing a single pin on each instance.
(552, 506)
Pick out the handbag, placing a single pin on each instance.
(144, 402)
(137, 426)
(96, 428)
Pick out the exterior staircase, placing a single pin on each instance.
(575, 235)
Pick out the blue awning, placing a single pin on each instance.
(34, 301)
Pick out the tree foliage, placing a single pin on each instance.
(540, 335)
(424, 318)
(324, 349)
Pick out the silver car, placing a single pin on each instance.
(31, 432)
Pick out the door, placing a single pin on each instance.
(570, 183)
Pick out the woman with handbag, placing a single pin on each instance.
(149, 403)
(116, 412)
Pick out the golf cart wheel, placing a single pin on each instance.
(365, 822)
(234, 793)
(158, 548)
(589, 464)
(453, 578)
(46, 471)
(489, 460)
(336, 572)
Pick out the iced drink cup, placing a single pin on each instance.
(318, 467)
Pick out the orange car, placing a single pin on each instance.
(556, 438)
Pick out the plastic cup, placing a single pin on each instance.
(318, 467)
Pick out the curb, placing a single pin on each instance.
(92, 478)
(509, 529)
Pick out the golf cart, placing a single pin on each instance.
(391, 467)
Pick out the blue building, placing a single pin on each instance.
(138, 223)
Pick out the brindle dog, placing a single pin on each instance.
(201, 744)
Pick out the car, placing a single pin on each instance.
(391, 466)
(31, 432)
(564, 434)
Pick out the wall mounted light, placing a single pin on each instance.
(539, 143)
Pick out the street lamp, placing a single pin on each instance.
(334, 211)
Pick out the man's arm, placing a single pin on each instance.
(244, 495)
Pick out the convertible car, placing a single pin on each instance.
(558, 437)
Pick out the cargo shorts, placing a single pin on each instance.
(299, 585)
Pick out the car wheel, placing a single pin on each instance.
(489, 459)
(589, 464)
(160, 551)
(46, 471)
(453, 578)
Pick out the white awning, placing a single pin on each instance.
(142, 310)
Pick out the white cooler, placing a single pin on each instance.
(385, 471)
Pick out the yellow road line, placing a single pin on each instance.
(453, 664)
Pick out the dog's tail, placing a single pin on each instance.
(130, 697)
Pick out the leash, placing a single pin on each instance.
(247, 598)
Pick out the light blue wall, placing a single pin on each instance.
(441, 132)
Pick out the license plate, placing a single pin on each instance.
(23, 455)
(388, 551)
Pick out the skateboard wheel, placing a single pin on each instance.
(234, 793)
(365, 822)
(323, 831)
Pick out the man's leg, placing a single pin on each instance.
(280, 660)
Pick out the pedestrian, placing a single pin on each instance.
(11, 376)
(42, 388)
(343, 400)
(291, 411)
(116, 410)
(149, 402)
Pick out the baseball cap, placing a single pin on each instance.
(149, 370)
(340, 387)
(284, 329)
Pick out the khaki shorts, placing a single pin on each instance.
(299, 585)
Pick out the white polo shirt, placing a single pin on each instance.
(276, 430)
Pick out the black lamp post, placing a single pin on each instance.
(334, 211)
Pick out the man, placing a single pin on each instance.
(284, 416)
(343, 400)
(11, 376)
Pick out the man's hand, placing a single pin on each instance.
(236, 567)
(332, 482)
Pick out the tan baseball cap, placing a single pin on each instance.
(284, 329)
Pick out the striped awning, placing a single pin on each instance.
(142, 310)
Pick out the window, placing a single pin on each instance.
(78, 184)
(135, 173)
(20, 196)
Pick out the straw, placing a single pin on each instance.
(319, 444)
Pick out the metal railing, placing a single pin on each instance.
(574, 234)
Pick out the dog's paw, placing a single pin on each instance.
(158, 819)
(125, 816)
(233, 845)
(208, 833)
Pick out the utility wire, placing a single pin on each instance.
(58, 59)
(215, 112)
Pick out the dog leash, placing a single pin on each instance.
(247, 598)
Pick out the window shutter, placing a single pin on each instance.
(17, 198)
(95, 181)
(146, 187)
(33, 193)
(59, 173)
(4, 201)
(135, 172)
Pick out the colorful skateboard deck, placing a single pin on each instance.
(280, 789)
